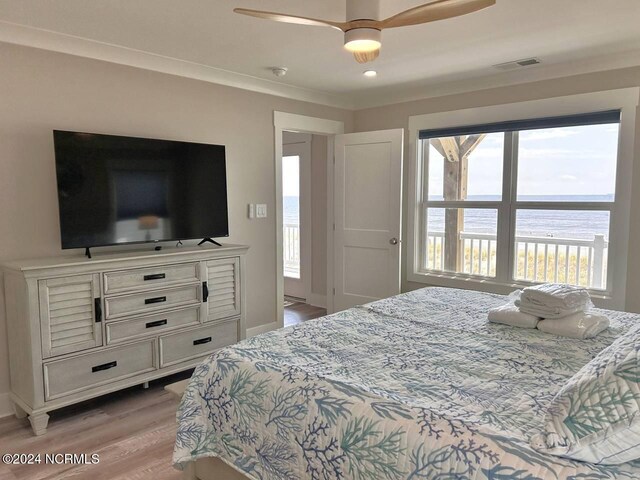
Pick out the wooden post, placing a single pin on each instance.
(456, 151)
(453, 218)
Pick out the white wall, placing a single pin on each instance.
(397, 116)
(41, 91)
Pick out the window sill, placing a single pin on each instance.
(600, 298)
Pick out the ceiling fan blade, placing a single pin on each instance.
(437, 10)
(283, 17)
(365, 57)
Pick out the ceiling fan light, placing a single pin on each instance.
(362, 40)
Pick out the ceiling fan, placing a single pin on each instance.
(363, 30)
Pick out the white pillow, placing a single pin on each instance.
(596, 416)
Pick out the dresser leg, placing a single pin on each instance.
(145, 385)
(39, 423)
(18, 411)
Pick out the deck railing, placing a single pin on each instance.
(291, 250)
(539, 259)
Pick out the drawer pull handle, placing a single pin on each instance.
(205, 291)
(155, 276)
(105, 366)
(97, 302)
(155, 300)
(157, 323)
(202, 341)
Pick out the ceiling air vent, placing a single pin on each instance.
(526, 62)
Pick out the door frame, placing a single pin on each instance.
(302, 149)
(291, 122)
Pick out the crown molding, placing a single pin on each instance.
(69, 44)
(439, 88)
(393, 94)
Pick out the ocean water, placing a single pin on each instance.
(291, 210)
(539, 223)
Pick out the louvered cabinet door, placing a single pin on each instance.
(70, 314)
(223, 283)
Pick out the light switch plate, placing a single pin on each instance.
(261, 210)
(251, 210)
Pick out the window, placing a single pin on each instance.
(522, 201)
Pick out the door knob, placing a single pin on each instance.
(393, 241)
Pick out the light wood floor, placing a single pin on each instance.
(133, 431)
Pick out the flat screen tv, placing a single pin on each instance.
(116, 190)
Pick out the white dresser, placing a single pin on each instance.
(79, 328)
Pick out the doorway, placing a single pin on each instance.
(296, 214)
(304, 214)
(325, 129)
(362, 225)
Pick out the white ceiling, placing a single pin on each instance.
(208, 34)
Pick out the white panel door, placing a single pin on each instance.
(368, 216)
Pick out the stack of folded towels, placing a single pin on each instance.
(552, 308)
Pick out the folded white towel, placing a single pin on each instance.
(510, 315)
(579, 325)
(544, 311)
(566, 297)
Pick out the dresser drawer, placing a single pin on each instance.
(180, 347)
(150, 278)
(64, 377)
(124, 330)
(152, 301)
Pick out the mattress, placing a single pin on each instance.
(417, 386)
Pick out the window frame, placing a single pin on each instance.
(625, 100)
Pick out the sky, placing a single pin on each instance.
(556, 161)
(291, 176)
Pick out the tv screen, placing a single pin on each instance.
(114, 190)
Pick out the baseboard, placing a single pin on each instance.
(260, 329)
(6, 406)
(317, 300)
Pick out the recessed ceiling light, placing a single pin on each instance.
(370, 73)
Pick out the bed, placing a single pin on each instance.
(417, 386)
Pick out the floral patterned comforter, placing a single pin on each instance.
(418, 386)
